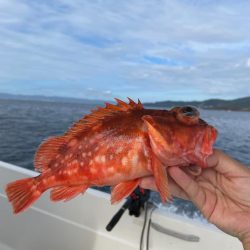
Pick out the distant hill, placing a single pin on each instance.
(6, 96)
(240, 104)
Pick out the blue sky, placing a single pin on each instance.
(152, 49)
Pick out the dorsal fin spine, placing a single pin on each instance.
(140, 104)
(131, 102)
(100, 114)
(48, 150)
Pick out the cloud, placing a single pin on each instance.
(248, 63)
(149, 49)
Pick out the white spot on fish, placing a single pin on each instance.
(118, 150)
(124, 161)
(81, 164)
(111, 157)
(37, 193)
(93, 170)
(67, 172)
(92, 141)
(134, 160)
(139, 139)
(130, 153)
(73, 142)
(89, 153)
(75, 162)
(80, 147)
(98, 159)
(145, 151)
(52, 178)
(103, 159)
(83, 154)
(44, 181)
(111, 170)
(91, 162)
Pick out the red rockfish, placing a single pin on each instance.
(116, 145)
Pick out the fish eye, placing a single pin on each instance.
(189, 111)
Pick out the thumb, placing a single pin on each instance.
(224, 164)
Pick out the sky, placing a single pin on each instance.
(152, 49)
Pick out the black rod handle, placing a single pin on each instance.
(115, 219)
(118, 215)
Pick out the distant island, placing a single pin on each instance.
(240, 104)
(7, 96)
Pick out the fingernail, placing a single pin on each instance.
(195, 169)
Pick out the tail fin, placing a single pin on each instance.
(22, 193)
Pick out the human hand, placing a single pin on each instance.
(221, 192)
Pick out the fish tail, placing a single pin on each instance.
(23, 193)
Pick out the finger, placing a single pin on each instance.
(175, 190)
(208, 174)
(148, 183)
(193, 170)
(225, 164)
(189, 186)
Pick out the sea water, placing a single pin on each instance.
(25, 124)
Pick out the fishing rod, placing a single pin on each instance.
(135, 203)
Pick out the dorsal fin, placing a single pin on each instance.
(100, 113)
(48, 151)
(50, 148)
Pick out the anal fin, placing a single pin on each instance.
(161, 179)
(123, 189)
(66, 193)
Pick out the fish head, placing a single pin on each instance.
(181, 137)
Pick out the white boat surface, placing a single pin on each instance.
(80, 224)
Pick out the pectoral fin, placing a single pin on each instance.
(159, 135)
(161, 179)
(123, 189)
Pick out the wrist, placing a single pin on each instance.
(246, 246)
(246, 241)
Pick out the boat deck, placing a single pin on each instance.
(80, 224)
